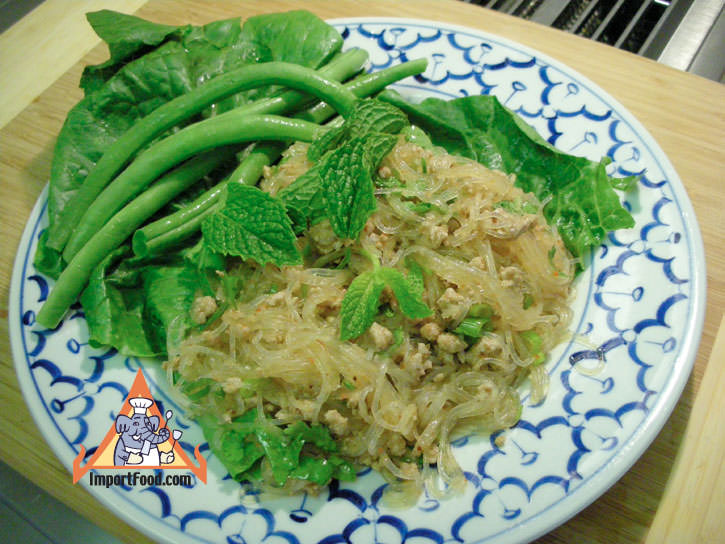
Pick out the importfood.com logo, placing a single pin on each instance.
(138, 478)
(140, 438)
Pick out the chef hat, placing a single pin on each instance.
(140, 404)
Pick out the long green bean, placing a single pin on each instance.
(184, 106)
(341, 68)
(172, 229)
(228, 128)
(178, 226)
(120, 227)
(368, 85)
(291, 75)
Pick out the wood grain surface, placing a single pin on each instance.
(698, 473)
(684, 113)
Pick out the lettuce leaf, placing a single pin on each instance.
(127, 36)
(151, 64)
(582, 203)
(299, 451)
(132, 304)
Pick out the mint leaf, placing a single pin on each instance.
(369, 117)
(252, 225)
(377, 145)
(415, 277)
(410, 301)
(346, 158)
(347, 188)
(303, 199)
(360, 304)
(326, 142)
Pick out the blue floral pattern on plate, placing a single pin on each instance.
(638, 317)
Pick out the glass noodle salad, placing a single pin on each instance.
(334, 276)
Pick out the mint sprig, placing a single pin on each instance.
(339, 187)
(369, 117)
(362, 300)
(252, 225)
(347, 188)
(360, 304)
(406, 293)
(303, 199)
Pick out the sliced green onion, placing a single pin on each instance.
(472, 327)
(345, 259)
(481, 310)
(422, 207)
(532, 340)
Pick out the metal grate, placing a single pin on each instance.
(623, 23)
(643, 27)
(652, 28)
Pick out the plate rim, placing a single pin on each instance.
(154, 528)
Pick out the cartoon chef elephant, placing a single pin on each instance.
(138, 443)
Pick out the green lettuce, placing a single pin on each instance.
(298, 451)
(151, 64)
(581, 201)
(133, 304)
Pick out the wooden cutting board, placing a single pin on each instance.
(41, 59)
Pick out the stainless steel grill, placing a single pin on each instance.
(686, 34)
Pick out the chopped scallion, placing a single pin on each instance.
(534, 345)
(422, 207)
(472, 327)
(481, 310)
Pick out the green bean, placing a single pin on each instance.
(170, 114)
(170, 230)
(250, 169)
(120, 227)
(368, 85)
(177, 232)
(179, 225)
(344, 66)
(222, 130)
(290, 74)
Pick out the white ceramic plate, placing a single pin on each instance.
(639, 312)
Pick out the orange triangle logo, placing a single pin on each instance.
(140, 439)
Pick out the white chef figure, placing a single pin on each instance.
(138, 443)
